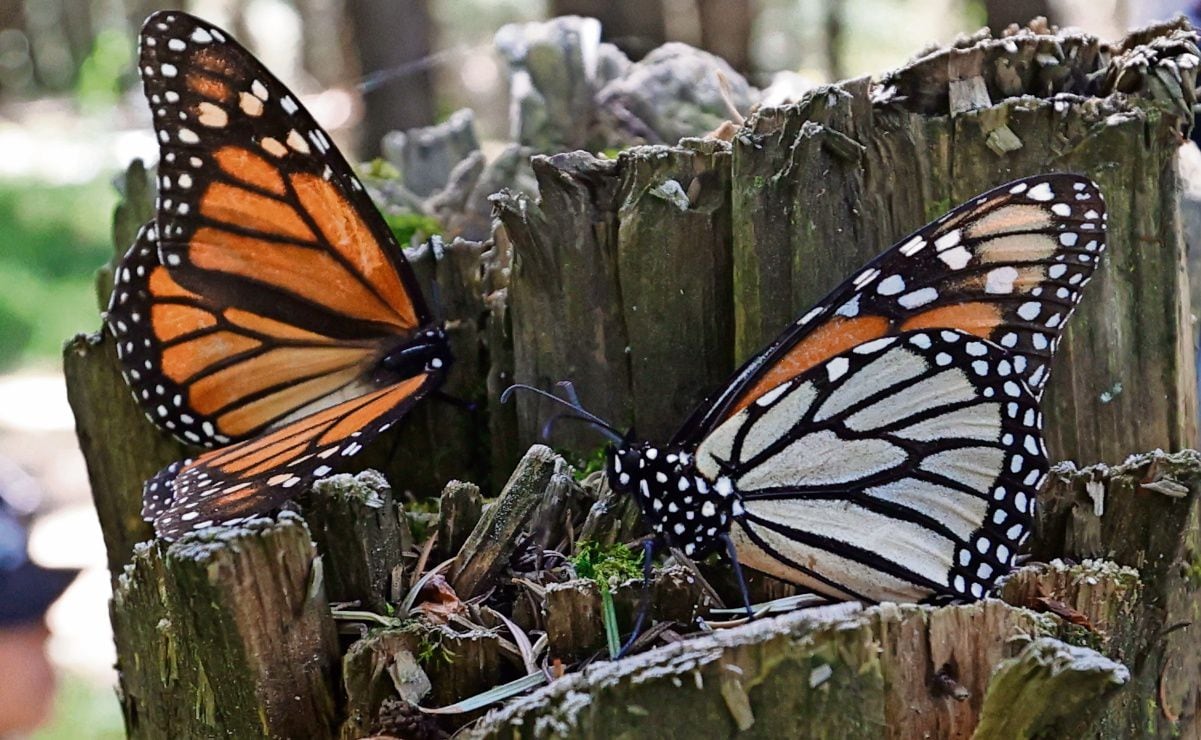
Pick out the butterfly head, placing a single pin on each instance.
(678, 503)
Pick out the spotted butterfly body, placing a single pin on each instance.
(267, 307)
(888, 445)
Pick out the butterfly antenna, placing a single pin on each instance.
(577, 409)
(608, 433)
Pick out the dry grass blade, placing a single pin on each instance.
(426, 549)
(523, 641)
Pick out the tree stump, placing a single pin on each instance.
(645, 279)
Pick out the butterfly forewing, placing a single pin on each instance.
(903, 469)
(1007, 266)
(256, 206)
(210, 373)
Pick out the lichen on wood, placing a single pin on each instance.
(227, 633)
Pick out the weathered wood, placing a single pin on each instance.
(374, 669)
(427, 156)
(621, 284)
(824, 172)
(362, 535)
(553, 78)
(497, 534)
(121, 447)
(612, 518)
(1146, 515)
(574, 625)
(227, 633)
(830, 672)
(674, 269)
(459, 512)
(504, 446)
(564, 297)
(1047, 686)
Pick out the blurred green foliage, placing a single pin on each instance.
(54, 237)
(107, 70)
(83, 709)
(406, 226)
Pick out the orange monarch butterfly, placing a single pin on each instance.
(267, 307)
(888, 445)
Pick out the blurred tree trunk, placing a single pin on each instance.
(1003, 12)
(327, 55)
(634, 26)
(726, 30)
(833, 16)
(390, 36)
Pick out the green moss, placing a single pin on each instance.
(938, 208)
(607, 565)
(1192, 572)
(432, 648)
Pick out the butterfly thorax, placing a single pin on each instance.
(679, 504)
(427, 352)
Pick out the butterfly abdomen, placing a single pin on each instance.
(679, 504)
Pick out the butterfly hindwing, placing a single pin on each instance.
(257, 475)
(904, 468)
(1007, 266)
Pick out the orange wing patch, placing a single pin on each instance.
(184, 360)
(981, 319)
(315, 274)
(172, 320)
(234, 205)
(162, 286)
(243, 164)
(324, 427)
(277, 367)
(346, 232)
(834, 337)
(277, 405)
(276, 329)
(209, 87)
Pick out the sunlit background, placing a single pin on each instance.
(71, 115)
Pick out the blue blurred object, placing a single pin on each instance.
(26, 589)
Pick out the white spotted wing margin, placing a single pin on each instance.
(229, 484)
(903, 470)
(129, 319)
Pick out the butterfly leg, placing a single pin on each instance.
(644, 601)
(733, 555)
